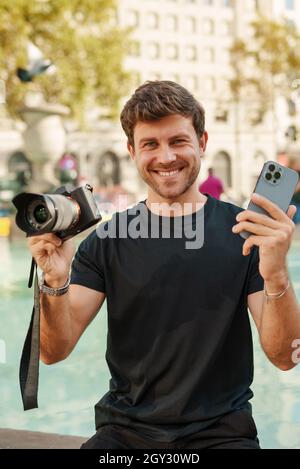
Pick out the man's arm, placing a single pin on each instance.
(277, 319)
(64, 319)
(278, 324)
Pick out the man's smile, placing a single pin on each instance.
(167, 174)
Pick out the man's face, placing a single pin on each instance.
(168, 154)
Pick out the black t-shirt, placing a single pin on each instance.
(179, 344)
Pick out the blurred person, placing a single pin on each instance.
(212, 185)
(179, 343)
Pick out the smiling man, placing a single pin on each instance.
(179, 344)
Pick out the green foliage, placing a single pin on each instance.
(83, 41)
(267, 64)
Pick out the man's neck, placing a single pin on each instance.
(179, 206)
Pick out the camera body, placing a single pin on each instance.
(67, 212)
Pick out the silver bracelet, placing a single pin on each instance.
(275, 296)
(53, 291)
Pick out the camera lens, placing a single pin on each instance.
(41, 213)
(277, 175)
(46, 213)
(272, 168)
(52, 212)
(268, 177)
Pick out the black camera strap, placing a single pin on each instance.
(30, 359)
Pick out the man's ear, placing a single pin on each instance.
(130, 149)
(203, 141)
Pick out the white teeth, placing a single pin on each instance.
(168, 174)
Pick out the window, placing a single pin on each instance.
(192, 82)
(190, 24)
(171, 23)
(208, 26)
(226, 28)
(221, 113)
(191, 53)
(152, 20)
(133, 18)
(289, 4)
(224, 87)
(172, 51)
(135, 49)
(153, 50)
(209, 84)
(225, 55)
(209, 55)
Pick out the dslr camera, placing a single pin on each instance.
(66, 213)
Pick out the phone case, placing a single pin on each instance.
(279, 191)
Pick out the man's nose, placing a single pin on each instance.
(166, 154)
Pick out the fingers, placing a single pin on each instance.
(253, 241)
(270, 207)
(254, 228)
(249, 215)
(42, 245)
(291, 211)
(48, 247)
(265, 220)
(48, 237)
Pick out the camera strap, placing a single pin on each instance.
(30, 359)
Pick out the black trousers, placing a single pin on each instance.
(236, 430)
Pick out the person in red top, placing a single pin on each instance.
(212, 185)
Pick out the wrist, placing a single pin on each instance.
(277, 282)
(60, 290)
(55, 282)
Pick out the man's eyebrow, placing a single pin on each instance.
(147, 139)
(154, 139)
(178, 136)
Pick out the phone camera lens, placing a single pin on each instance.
(277, 175)
(272, 168)
(268, 177)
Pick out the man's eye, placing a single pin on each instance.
(150, 144)
(178, 141)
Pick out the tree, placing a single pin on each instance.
(82, 40)
(270, 63)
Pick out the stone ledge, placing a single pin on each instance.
(23, 439)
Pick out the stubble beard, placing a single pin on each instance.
(170, 193)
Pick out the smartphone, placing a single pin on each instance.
(276, 183)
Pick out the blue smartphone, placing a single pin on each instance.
(276, 183)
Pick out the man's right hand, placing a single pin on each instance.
(53, 256)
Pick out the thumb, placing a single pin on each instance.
(291, 211)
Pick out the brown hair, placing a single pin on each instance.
(157, 99)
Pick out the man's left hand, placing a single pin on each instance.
(272, 234)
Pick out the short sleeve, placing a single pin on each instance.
(87, 266)
(255, 280)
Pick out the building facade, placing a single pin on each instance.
(188, 41)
